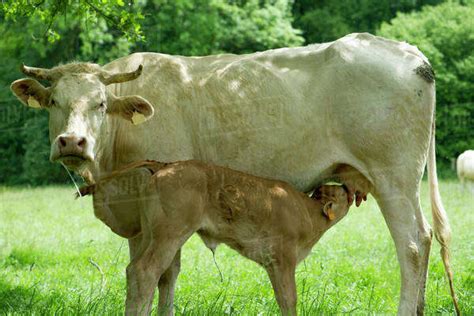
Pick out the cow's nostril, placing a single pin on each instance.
(62, 141)
(82, 142)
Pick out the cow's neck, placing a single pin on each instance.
(114, 149)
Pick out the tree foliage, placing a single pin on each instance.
(445, 34)
(327, 20)
(119, 14)
(201, 27)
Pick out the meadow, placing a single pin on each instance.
(57, 258)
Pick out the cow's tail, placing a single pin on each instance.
(442, 230)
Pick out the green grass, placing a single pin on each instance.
(48, 241)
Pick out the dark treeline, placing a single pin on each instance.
(441, 29)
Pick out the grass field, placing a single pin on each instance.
(57, 258)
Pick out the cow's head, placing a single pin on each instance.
(78, 103)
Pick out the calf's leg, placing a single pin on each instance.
(153, 258)
(134, 245)
(166, 286)
(282, 277)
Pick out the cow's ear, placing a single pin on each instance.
(133, 108)
(30, 92)
(328, 211)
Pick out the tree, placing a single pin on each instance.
(201, 27)
(118, 14)
(445, 34)
(326, 20)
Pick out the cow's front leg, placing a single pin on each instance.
(166, 286)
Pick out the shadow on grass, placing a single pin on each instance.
(17, 299)
(20, 258)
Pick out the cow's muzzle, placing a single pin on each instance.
(71, 150)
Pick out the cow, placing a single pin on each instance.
(265, 220)
(292, 114)
(465, 166)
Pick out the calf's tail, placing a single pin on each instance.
(442, 230)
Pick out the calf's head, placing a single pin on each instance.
(334, 202)
(78, 102)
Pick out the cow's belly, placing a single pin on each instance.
(258, 142)
(300, 147)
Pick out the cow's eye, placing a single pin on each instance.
(102, 106)
(52, 102)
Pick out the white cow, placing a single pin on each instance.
(293, 114)
(465, 166)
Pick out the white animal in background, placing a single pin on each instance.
(465, 167)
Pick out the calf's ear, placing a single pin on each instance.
(133, 108)
(328, 212)
(30, 92)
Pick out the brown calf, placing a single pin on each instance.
(265, 220)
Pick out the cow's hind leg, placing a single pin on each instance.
(412, 237)
(166, 286)
(425, 238)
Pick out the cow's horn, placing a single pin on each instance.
(38, 73)
(121, 77)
